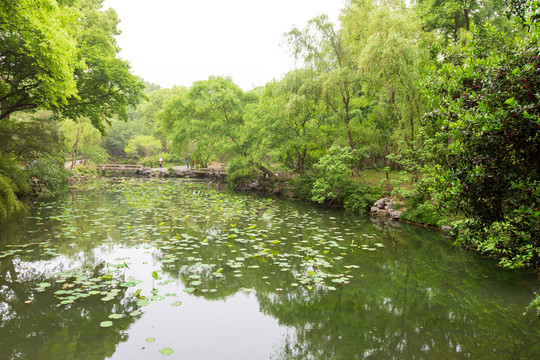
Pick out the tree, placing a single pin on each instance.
(30, 147)
(288, 118)
(486, 139)
(324, 50)
(38, 55)
(143, 146)
(105, 86)
(142, 121)
(391, 50)
(449, 17)
(82, 138)
(63, 56)
(209, 118)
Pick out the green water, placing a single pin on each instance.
(211, 275)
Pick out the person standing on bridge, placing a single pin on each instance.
(160, 161)
(187, 162)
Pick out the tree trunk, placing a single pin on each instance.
(75, 152)
(456, 26)
(265, 170)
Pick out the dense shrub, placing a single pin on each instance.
(50, 174)
(486, 135)
(240, 172)
(424, 213)
(359, 198)
(331, 183)
(9, 204)
(302, 187)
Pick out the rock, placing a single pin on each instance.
(396, 215)
(382, 212)
(380, 203)
(447, 228)
(374, 209)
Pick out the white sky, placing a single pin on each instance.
(177, 42)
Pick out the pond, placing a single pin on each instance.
(138, 269)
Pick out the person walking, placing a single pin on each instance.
(187, 162)
(160, 161)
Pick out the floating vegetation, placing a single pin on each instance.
(195, 237)
(166, 351)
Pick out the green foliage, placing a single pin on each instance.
(486, 139)
(424, 213)
(38, 52)
(121, 132)
(323, 48)
(360, 197)
(302, 187)
(27, 146)
(95, 153)
(143, 146)
(208, 121)
(84, 140)
(391, 50)
(513, 240)
(63, 56)
(79, 133)
(289, 113)
(49, 172)
(452, 17)
(240, 172)
(334, 169)
(105, 86)
(9, 204)
(535, 304)
(86, 170)
(332, 183)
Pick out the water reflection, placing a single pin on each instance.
(246, 278)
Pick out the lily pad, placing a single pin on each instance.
(107, 323)
(143, 302)
(166, 351)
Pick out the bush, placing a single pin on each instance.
(9, 204)
(485, 138)
(86, 170)
(360, 198)
(514, 241)
(51, 173)
(303, 186)
(424, 213)
(347, 192)
(240, 172)
(95, 153)
(153, 161)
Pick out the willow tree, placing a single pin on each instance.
(322, 47)
(289, 116)
(391, 50)
(209, 119)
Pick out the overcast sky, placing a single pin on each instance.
(177, 42)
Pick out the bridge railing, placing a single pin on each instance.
(118, 167)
